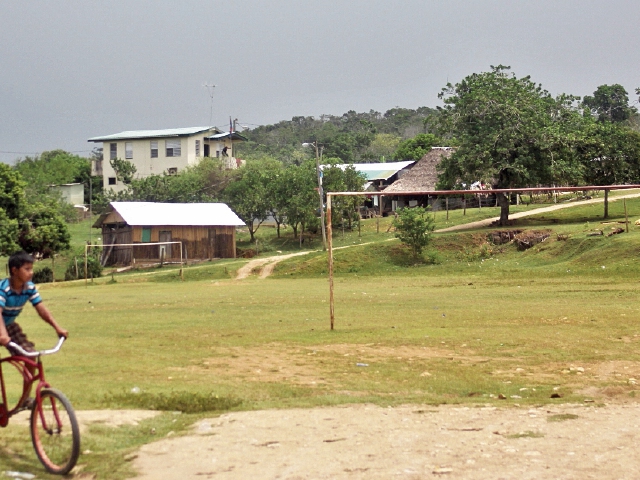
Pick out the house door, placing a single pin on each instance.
(206, 149)
(165, 236)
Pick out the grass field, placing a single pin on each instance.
(470, 323)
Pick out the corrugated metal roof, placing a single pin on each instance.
(378, 171)
(234, 136)
(136, 134)
(177, 214)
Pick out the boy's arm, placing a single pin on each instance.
(45, 314)
(4, 336)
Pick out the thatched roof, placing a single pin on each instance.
(423, 176)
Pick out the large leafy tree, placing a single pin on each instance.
(610, 103)
(510, 133)
(36, 228)
(611, 154)
(249, 195)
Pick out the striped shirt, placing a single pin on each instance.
(12, 302)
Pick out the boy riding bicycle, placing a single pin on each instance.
(14, 293)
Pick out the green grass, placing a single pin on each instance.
(465, 324)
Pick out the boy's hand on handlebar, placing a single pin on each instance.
(62, 332)
(4, 340)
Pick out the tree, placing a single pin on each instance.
(610, 103)
(299, 195)
(611, 154)
(510, 133)
(346, 179)
(43, 230)
(248, 194)
(381, 148)
(414, 227)
(417, 147)
(36, 228)
(125, 170)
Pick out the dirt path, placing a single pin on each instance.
(489, 221)
(409, 442)
(269, 264)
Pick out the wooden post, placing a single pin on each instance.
(626, 217)
(330, 244)
(359, 224)
(606, 203)
(464, 207)
(447, 206)
(53, 268)
(479, 202)
(86, 267)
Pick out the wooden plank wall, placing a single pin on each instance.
(197, 243)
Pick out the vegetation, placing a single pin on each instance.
(414, 227)
(352, 137)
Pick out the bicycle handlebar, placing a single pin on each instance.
(24, 353)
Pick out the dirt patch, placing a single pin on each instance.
(109, 418)
(309, 365)
(408, 442)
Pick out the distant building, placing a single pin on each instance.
(72, 193)
(205, 230)
(423, 177)
(154, 152)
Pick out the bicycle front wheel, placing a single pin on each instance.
(54, 432)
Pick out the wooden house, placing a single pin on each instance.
(131, 231)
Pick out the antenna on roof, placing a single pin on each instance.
(210, 87)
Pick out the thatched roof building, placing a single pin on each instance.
(423, 176)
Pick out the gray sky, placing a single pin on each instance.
(73, 69)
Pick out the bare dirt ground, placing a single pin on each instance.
(408, 442)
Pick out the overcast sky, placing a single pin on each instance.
(74, 69)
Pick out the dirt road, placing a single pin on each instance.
(410, 442)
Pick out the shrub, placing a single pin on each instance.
(414, 227)
(75, 268)
(44, 275)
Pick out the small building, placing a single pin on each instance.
(205, 231)
(378, 177)
(154, 152)
(423, 176)
(71, 193)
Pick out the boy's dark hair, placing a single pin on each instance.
(17, 260)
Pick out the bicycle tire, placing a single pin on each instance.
(55, 440)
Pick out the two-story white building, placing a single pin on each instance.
(154, 152)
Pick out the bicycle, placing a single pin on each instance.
(54, 429)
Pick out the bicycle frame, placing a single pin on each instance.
(25, 364)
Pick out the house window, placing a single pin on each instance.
(112, 180)
(154, 148)
(146, 234)
(113, 151)
(172, 171)
(128, 150)
(174, 148)
(197, 148)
